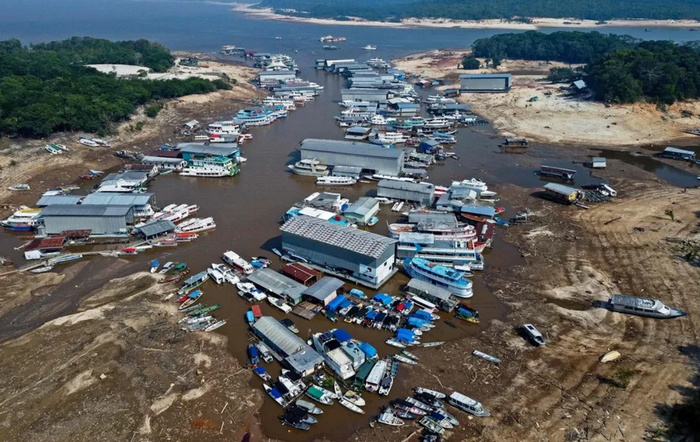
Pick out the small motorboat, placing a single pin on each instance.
(409, 355)
(394, 343)
(43, 269)
(354, 398)
(295, 422)
(218, 324)
(389, 418)
(534, 334)
(350, 406)
(168, 265)
(405, 360)
(320, 395)
(487, 357)
(262, 373)
(403, 414)
(434, 393)
(308, 406)
(154, 265)
(290, 325)
(274, 394)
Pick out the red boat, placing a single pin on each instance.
(129, 251)
(256, 310)
(183, 299)
(500, 210)
(87, 176)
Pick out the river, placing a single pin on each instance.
(248, 207)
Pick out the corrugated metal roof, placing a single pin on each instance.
(364, 91)
(416, 237)
(323, 288)
(277, 283)
(426, 287)
(560, 188)
(348, 238)
(478, 210)
(208, 149)
(347, 169)
(679, 151)
(161, 160)
(157, 228)
(350, 148)
(90, 210)
(277, 333)
(50, 200)
(426, 188)
(305, 361)
(363, 206)
(476, 76)
(118, 199)
(432, 217)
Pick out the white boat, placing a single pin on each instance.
(350, 406)
(168, 265)
(216, 276)
(16, 187)
(87, 142)
(474, 184)
(467, 404)
(335, 181)
(275, 395)
(309, 407)
(309, 167)
(434, 393)
(51, 150)
(439, 275)
(43, 269)
(375, 376)
(24, 219)
(329, 347)
(354, 398)
(276, 302)
(651, 308)
(199, 225)
(388, 418)
(405, 360)
(369, 48)
(394, 343)
(209, 171)
(487, 357)
(218, 324)
(234, 260)
(534, 334)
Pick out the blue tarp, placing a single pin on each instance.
(416, 322)
(259, 369)
(253, 351)
(404, 332)
(407, 305)
(368, 350)
(335, 303)
(346, 302)
(383, 298)
(372, 314)
(422, 314)
(341, 335)
(275, 394)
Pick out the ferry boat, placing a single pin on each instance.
(439, 251)
(331, 350)
(309, 167)
(454, 281)
(651, 308)
(335, 181)
(254, 117)
(437, 123)
(211, 167)
(224, 128)
(234, 260)
(23, 220)
(442, 231)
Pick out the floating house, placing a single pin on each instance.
(301, 273)
(294, 352)
(675, 153)
(363, 256)
(485, 82)
(421, 193)
(155, 229)
(365, 94)
(562, 194)
(373, 159)
(278, 285)
(557, 172)
(439, 296)
(141, 202)
(100, 220)
(362, 210)
(324, 291)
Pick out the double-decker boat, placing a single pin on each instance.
(442, 276)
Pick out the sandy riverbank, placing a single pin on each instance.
(537, 23)
(557, 116)
(18, 157)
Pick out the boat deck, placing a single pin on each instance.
(306, 310)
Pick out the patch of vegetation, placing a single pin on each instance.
(622, 377)
(46, 89)
(470, 63)
(152, 110)
(564, 75)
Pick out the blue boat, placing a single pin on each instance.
(254, 354)
(249, 317)
(442, 276)
(358, 293)
(154, 265)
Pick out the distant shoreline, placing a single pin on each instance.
(537, 23)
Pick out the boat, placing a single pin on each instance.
(355, 398)
(350, 406)
(42, 269)
(166, 267)
(330, 348)
(403, 414)
(87, 142)
(389, 418)
(309, 167)
(534, 334)
(648, 307)
(385, 384)
(179, 268)
(467, 404)
(51, 150)
(204, 310)
(394, 343)
(442, 276)
(216, 276)
(191, 309)
(253, 354)
(23, 220)
(295, 422)
(441, 420)
(419, 404)
(289, 324)
(262, 373)
(467, 313)
(193, 282)
(301, 414)
(375, 376)
(358, 293)
(335, 181)
(280, 304)
(337, 390)
(154, 265)
(198, 225)
(265, 352)
(191, 299)
(320, 395)
(17, 187)
(408, 407)
(434, 393)
(431, 425)
(277, 252)
(369, 48)
(405, 360)
(195, 320)
(218, 324)
(308, 406)
(234, 260)
(275, 395)
(409, 355)
(487, 357)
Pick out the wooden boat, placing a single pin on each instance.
(409, 355)
(406, 406)
(195, 320)
(405, 360)
(403, 414)
(434, 393)
(218, 324)
(173, 278)
(179, 268)
(191, 309)
(431, 425)
(394, 343)
(350, 406)
(293, 421)
(487, 357)
(204, 310)
(354, 398)
(192, 298)
(418, 404)
(320, 395)
(432, 344)
(44, 269)
(441, 420)
(308, 406)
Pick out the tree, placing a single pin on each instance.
(470, 63)
(496, 62)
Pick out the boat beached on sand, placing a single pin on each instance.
(651, 308)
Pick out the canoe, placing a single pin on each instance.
(409, 354)
(431, 425)
(403, 414)
(204, 310)
(436, 394)
(350, 406)
(487, 357)
(43, 269)
(418, 404)
(432, 344)
(394, 343)
(218, 324)
(405, 360)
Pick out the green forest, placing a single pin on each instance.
(45, 88)
(392, 10)
(618, 69)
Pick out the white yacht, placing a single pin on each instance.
(206, 172)
(375, 376)
(335, 181)
(309, 167)
(652, 308)
(234, 260)
(331, 350)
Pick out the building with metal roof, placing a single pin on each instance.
(295, 352)
(365, 94)
(348, 171)
(301, 273)
(264, 76)
(470, 209)
(324, 291)
(50, 200)
(156, 228)
(141, 202)
(99, 219)
(439, 296)
(363, 255)
(362, 210)
(448, 219)
(164, 163)
(191, 151)
(278, 284)
(349, 153)
(678, 154)
(357, 133)
(485, 82)
(123, 180)
(561, 193)
(421, 193)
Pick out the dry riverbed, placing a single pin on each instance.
(557, 116)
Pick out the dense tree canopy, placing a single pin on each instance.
(491, 9)
(45, 89)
